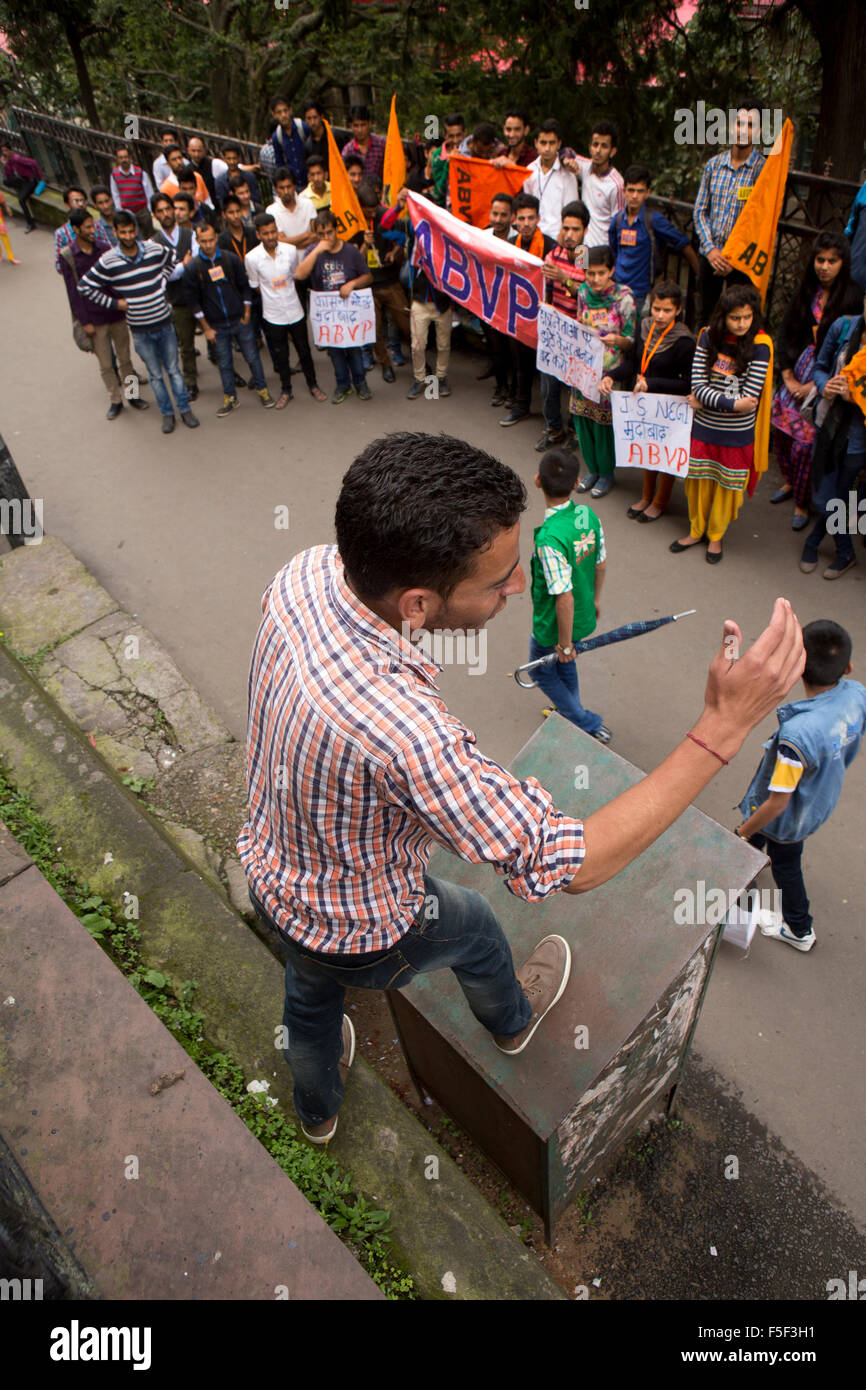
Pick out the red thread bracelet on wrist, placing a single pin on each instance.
(694, 738)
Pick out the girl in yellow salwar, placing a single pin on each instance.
(731, 395)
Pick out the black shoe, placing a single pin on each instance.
(713, 559)
(498, 397)
(138, 404)
(30, 229)
(239, 382)
(388, 374)
(191, 421)
(514, 416)
(114, 410)
(676, 548)
(781, 495)
(415, 390)
(603, 734)
(167, 424)
(192, 392)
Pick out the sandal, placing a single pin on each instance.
(317, 393)
(283, 401)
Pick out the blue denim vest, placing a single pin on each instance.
(826, 731)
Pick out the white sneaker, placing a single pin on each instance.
(784, 933)
(766, 918)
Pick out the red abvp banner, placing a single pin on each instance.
(499, 282)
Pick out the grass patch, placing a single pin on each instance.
(363, 1228)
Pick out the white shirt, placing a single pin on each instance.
(275, 277)
(296, 222)
(161, 170)
(604, 198)
(554, 188)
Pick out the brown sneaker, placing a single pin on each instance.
(543, 977)
(320, 1134)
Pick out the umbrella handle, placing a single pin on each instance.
(530, 666)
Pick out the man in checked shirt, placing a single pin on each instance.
(355, 767)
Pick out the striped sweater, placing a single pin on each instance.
(139, 279)
(717, 388)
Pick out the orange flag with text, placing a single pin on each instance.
(394, 170)
(344, 200)
(749, 248)
(474, 183)
(855, 373)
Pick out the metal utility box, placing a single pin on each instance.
(613, 1048)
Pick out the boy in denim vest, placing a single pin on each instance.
(800, 778)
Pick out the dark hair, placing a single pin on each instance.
(78, 216)
(184, 198)
(124, 218)
(576, 209)
(455, 118)
(325, 218)
(484, 133)
(828, 652)
(170, 130)
(359, 113)
(278, 98)
(559, 470)
(551, 127)
(667, 289)
(233, 199)
(600, 255)
(281, 174)
(311, 106)
(122, 147)
(517, 113)
(637, 173)
(367, 195)
(262, 219)
(186, 174)
(396, 520)
(170, 149)
(230, 148)
(606, 128)
(315, 159)
(844, 297)
(353, 159)
(99, 188)
(162, 198)
(73, 188)
(503, 198)
(736, 297)
(238, 181)
(526, 200)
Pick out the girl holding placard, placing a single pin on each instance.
(609, 309)
(731, 394)
(662, 355)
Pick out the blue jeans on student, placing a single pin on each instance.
(455, 929)
(551, 402)
(786, 864)
(348, 364)
(559, 682)
(157, 348)
(246, 336)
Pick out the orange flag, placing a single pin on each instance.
(344, 200)
(394, 171)
(855, 372)
(749, 248)
(475, 182)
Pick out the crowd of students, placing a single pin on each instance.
(189, 248)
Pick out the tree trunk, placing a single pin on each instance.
(841, 33)
(85, 86)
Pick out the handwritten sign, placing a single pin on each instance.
(342, 323)
(569, 351)
(652, 431)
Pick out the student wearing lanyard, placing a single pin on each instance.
(271, 267)
(664, 349)
(548, 181)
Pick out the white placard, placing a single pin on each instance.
(342, 323)
(569, 351)
(652, 431)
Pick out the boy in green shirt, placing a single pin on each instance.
(567, 570)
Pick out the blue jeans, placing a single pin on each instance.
(844, 481)
(559, 682)
(157, 348)
(455, 929)
(245, 334)
(346, 361)
(551, 402)
(786, 864)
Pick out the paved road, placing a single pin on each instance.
(181, 530)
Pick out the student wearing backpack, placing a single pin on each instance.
(635, 234)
